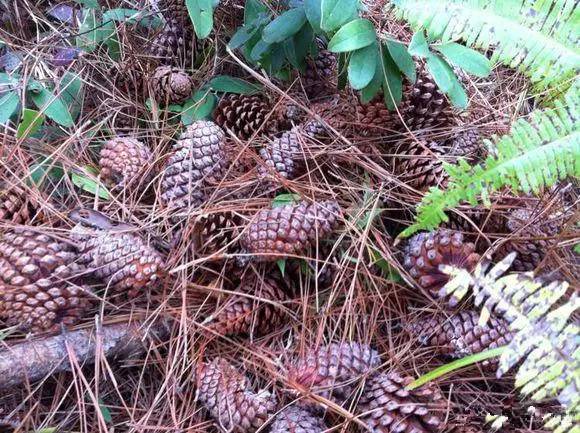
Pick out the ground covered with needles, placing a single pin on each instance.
(254, 252)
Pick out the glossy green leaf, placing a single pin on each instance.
(227, 84)
(335, 13)
(199, 107)
(243, 35)
(260, 49)
(458, 96)
(52, 106)
(87, 35)
(362, 66)
(70, 88)
(465, 58)
(313, 9)
(284, 26)
(392, 82)
(285, 199)
(89, 184)
(252, 9)
(31, 122)
(418, 46)
(455, 365)
(201, 14)
(8, 105)
(441, 72)
(356, 34)
(370, 91)
(402, 58)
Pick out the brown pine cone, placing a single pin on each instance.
(459, 334)
(244, 115)
(295, 419)
(387, 407)
(124, 162)
(17, 206)
(229, 399)
(215, 231)
(256, 310)
(37, 290)
(424, 253)
(198, 161)
(174, 10)
(533, 235)
(171, 85)
(333, 370)
(420, 165)
(289, 229)
(118, 257)
(320, 77)
(467, 144)
(175, 44)
(283, 155)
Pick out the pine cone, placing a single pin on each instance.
(533, 234)
(333, 370)
(17, 207)
(289, 229)
(198, 161)
(118, 257)
(36, 288)
(216, 231)
(374, 117)
(426, 251)
(171, 85)
(258, 313)
(467, 144)
(174, 46)
(283, 155)
(174, 10)
(387, 407)
(244, 115)
(420, 165)
(295, 419)
(227, 396)
(459, 334)
(320, 77)
(124, 161)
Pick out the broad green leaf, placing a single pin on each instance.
(201, 14)
(402, 59)
(87, 36)
(371, 90)
(285, 199)
(43, 169)
(455, 365)
(441, 72)
(70, 88)
(243, 35)
(114, 47)
(356, 34)
(200, 106)
(342, 71)
(89, 184)
(392, 82)
(52, 106)
(120, 14)
(313, 9)
(31, 122)
(286, 25)
(260, 49)
(227, 84)
(457, 95)
(9, 79)
(362, 66)
(290, 51)
(418, 46)
(93, 4)
(465, 58)
(335, 13)
(252, 9)
(303, 41)
(8, 105)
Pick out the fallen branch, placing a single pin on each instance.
(33, 360)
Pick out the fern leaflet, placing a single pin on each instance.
(539, 37)
(534, 155)
(546, 341)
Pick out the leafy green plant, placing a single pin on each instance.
(201, 14)
(50, 102)
(538, 37)
(534, 155)
(545, 345)
(369, 63)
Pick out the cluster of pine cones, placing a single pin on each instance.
(55, 278)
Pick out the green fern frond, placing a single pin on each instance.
(546, 341)
(536, 154)
(538, 37)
